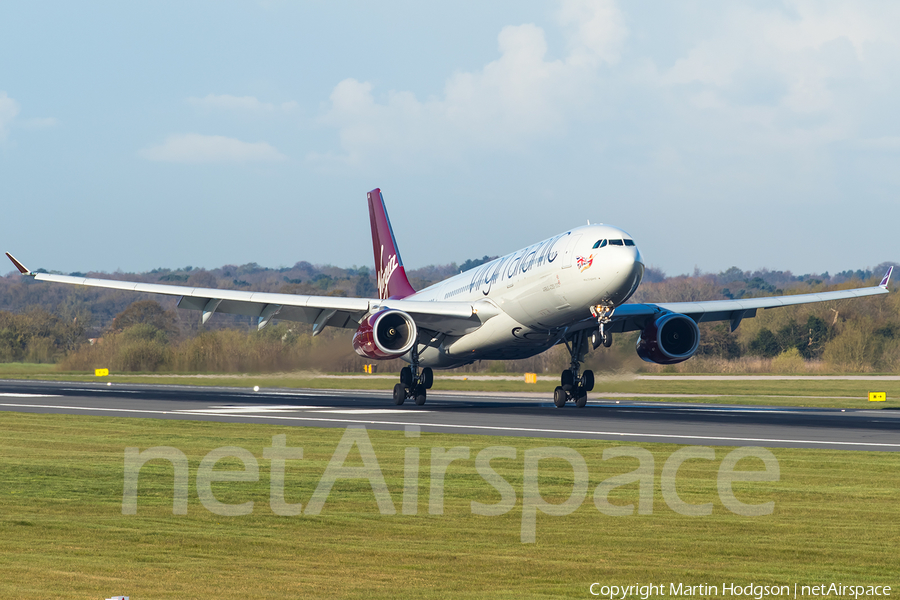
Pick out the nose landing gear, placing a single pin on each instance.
(604, 315)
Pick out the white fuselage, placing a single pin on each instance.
(539, 291)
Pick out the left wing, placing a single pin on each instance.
(631, 317)
(321, 311)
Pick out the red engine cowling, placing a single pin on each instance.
(671, 338)
(385, 334)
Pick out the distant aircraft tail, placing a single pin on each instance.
(389, 271)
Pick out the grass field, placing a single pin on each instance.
(836, 519)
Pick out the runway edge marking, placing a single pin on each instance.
(457, 426)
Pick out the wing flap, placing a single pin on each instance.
(459, 310)
(450, 318)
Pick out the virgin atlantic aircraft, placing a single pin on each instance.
(568, 289)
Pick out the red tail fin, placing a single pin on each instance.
(389, 271)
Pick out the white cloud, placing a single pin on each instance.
(9, 117)
(802, 72)
(791, 74)
(228, 102)
(9, 108)
(197, 148)
(597, 30)
(517, 97)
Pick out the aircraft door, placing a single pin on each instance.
(570, 251)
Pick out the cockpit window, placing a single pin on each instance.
(599, 244)
(616, 243)
(629, 242)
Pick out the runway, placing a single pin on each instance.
(487, 414)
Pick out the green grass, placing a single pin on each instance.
(836, 519)
(26, 369)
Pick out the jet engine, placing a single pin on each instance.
(671, 338)
(386, 334)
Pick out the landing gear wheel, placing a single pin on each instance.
(406, 376)
(427, 377)
(587, 381)
(601, 339)
(559, 397)
(413, 381)
(575, 386)
(581, 399)
(399, 394)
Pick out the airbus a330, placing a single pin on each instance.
(569, 289)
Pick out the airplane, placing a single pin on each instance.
(569, 289)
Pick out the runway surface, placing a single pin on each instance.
(487, 414)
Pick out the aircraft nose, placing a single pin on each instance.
(628, 271)
(637, 268)
(624, 259)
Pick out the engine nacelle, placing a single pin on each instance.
(671, 338)
(386, 334)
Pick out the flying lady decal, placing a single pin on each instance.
(584, 263)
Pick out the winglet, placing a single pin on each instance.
(884, 282)
(389, 271)
(22, 269)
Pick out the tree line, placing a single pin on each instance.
(84, 328)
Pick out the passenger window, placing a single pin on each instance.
(599, 244)
(616, 243)
(629, 242)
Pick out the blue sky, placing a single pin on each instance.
(749, 134)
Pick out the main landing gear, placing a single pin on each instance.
(572, 386)
(413, 382)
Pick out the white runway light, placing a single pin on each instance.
(255, 388)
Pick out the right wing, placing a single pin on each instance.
(631, 317)
(334, 311)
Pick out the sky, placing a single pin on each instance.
(164, 134)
